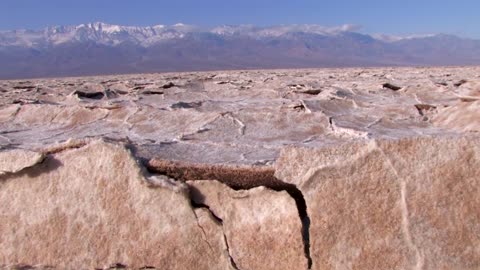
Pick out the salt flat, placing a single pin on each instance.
(242, 117)
(365, 168)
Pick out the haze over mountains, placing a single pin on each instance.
(99, 48)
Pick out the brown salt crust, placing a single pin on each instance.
(235, 176)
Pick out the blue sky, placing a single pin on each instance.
(375, 16)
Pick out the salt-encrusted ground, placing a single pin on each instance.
(269, 169)
(242, 117)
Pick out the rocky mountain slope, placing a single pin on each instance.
(99, 48)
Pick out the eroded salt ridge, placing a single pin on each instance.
(94, 207)
(397, 204)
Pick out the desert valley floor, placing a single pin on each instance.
(361, 168)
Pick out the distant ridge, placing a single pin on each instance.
(100, 48)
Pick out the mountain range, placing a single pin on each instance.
(100, 48)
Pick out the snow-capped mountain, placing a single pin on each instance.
(100, 48)
(97, 32)
(109, 34)
(277, 31)
(394, 38)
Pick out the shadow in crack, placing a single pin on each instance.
(47, 165)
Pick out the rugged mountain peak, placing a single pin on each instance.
(102, 48)
(112, 34)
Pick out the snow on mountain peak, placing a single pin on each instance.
(233, 29)
(395, 38)
(279, 30)
(111, 28)
(111, 34)
(102, 27)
